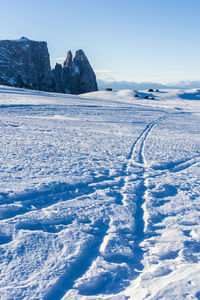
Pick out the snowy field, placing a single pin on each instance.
(99, 195)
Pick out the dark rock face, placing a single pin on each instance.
(25, 63)
(76, 76)
(58, 80)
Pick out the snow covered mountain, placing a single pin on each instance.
(100, 195)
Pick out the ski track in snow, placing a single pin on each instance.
(78, 267)
(52, 194)
(129, 189)
(61, 192)
(135, 157)
(83, 263)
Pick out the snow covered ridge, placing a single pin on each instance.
(25, 63)
(99, 195)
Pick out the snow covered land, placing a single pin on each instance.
(99, 195)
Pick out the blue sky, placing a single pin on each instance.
(132, 40)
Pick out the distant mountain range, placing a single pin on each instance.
(122, 85)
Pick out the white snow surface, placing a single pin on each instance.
(99, 195)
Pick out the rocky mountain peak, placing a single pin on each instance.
(68, 60)
(25, 63)
(77, 75)
(80, 56)
(23, 39)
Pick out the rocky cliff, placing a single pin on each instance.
(25, 63)
(76, 75)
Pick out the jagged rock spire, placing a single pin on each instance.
(80, 56)
(77, 74)
(68, 60)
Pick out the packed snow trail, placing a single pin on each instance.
(99, 195)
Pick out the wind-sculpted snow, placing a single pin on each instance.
(99, 195)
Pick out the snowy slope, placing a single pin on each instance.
(99, 195)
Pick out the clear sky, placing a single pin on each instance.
(132, 40)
